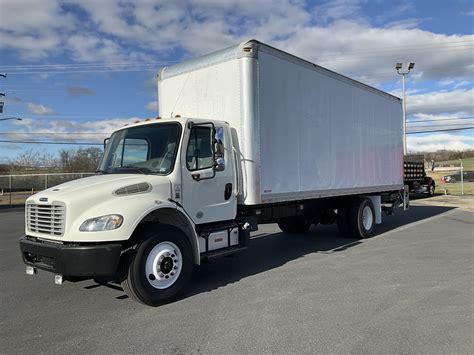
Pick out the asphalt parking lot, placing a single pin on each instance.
(409, 289)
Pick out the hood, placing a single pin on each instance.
(99, 188)
(129, 195)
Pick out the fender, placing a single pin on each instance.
(171, 214)
(428, 181)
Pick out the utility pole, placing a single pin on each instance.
(398, 67)
(2, 94)
(462, 178)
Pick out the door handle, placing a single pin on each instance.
(196, 177)
(227, 191)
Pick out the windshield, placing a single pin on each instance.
(143, 149)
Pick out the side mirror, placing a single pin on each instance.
(219, 164)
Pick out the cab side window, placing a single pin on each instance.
(199, 151)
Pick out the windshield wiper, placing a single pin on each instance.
(141, 170)
(101, 171)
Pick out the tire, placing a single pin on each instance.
(431, 191)
(361, 218)
(156, 269)
(298, 224)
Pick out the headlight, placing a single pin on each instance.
(102, 223)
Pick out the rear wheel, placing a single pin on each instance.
(431, 190)
(362, 218)
(297, 224)
(155, 270)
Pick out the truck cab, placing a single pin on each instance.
(177, 173)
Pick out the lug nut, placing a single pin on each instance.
(175, 267)
(167, 277)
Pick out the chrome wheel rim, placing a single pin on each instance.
(163, 265)
(367, 218)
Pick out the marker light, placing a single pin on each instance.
(102, 223)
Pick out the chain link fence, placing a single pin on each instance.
(15, 189)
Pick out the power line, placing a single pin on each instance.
(441, 119)
(57, 133)
(81, 71)
(82, 65)
(43, 142)
(140, 66)
(441, 130)
(106, 65)
(448, 125)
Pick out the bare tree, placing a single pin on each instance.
(31, 160)
(82, 160)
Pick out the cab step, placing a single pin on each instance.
(222, 252)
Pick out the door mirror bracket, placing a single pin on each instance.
(219, 164)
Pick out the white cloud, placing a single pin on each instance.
(333, 34)
(152, 106)
(34, 27)
(338, 9)
(459, 100)
(67, 130)
(39, 109)
(439, 141)
(32, 15)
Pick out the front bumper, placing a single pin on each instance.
(71, 259)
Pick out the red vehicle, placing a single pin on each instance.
(415, 176)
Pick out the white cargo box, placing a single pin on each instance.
(303, 131)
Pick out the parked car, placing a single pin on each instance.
(468, 176)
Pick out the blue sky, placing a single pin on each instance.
(79, 69)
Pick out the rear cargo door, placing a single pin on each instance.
(208, 195)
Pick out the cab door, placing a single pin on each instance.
(208, 191)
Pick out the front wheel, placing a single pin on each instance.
(155, 270)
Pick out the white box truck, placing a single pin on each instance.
(250, 134)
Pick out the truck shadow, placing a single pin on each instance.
(270, 249)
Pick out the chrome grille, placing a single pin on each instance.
(46, 219)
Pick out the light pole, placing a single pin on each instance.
(11, 118)
(462, 178)
(398, 67)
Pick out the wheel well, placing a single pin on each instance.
(172, 217)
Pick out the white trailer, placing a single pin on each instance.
(250, 135)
